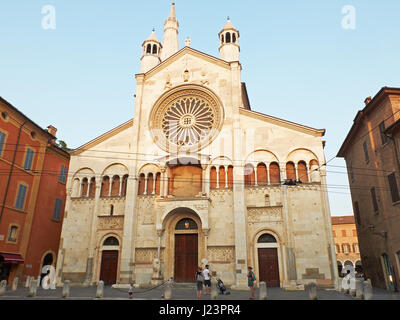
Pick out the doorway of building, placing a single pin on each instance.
(186, 250)
(268, 262)
(109, 264)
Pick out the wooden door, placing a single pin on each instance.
(186, 257)
(109, 265)
(268, 266)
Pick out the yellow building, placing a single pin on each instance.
(346, 243)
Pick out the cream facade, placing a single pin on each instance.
(197, 177)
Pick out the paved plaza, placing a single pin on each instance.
(183, 292)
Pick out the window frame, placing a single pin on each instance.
(384, 137)
(17, 197)
(394, 192)
(2, 143)
(366, 153)
(17, 231)
(57, 210)
(27, 152)
(62, 177)
(374, 199)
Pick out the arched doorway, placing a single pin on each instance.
(186, 250)
(109, 261)
(48, 260)
(268, 265)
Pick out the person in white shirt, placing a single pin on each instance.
(207, 280)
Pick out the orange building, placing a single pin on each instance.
(33, 172)
(371, 151)
(346, 243)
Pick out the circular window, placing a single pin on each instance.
(187, 117)
(4, 115)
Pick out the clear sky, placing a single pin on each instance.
(299, 62)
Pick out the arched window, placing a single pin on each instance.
(148, 48)
(228, 37)
(355, 248)
(337, 248)
(213, 178)
(158, 179)
(274, 173)
(154, 49)
(262, 178)
(141, 183)
(115, 186)
(186, 224)
(345, 248)
(266, 238)
(84, 187)
(105, 186)
(302, 171)
(290, 171)
(230, 177)
(124, 185)
(92, 187)
(111, 241)
(221, 178)
(150, 183)
(249, 175)
(233, 37)
(222, 38)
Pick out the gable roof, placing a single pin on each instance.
(279, 121)
(103, 137)
(181, 53)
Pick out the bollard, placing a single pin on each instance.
(312, 291)
(263, 291)
(359, 290)
(368, 293)
(353, 287)
(339, 285)
(346, 285)
(65, 291)
(100, 290)
(168, 291)
(28, 282)
(14, 286)
(3, 286)
(214, 290)
(33, 288)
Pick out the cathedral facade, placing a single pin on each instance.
(195, 178)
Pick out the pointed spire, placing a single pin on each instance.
(152, 36)
(170, 40)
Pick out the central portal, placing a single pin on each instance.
(186, 251)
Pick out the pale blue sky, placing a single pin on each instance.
(298, 62)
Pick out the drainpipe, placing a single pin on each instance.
(11, 170)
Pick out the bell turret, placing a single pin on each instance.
(151, 53)
(229, 43)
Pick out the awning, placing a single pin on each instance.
(12, 257)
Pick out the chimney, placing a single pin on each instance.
(52, 130)
(367, 100)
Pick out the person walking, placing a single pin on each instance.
(199, 282)
(130, 292)
(207, 280)
(251, 278)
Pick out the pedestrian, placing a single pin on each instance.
(199, 282)
(130, 292)
(251, 278)
(207, 280)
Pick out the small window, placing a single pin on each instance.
(266, 238)
(233, 38)
(186, 224)
(366, 155)
(63, 174)
(148, 50)
(2, 141)
(374, 201)
(343, 233)
(334, 233)
(346, 248)
(28, 159)
(382, 128)
(228, 37)
(111, 241)
(351, 172)
(57, 210)
(354, 233)
(20, 201)
(13, 234)
(393, 187)
(111, 210)
(355, 248)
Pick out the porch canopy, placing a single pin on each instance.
(11, 257)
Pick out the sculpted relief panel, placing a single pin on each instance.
(264, 214)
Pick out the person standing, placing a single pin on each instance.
(130, 290)
(207, 280)
(199, 282)
(251, 278)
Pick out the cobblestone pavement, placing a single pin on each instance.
(187, 292)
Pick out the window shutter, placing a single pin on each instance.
(21, 197)
(374, 202)
(57, 209)
(2, 140)
(365, 151)
(28, 159)
(393, 187)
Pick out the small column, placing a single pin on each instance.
(145, 183)
(269, 178)
(65, 291)
(162, 181)
(120, 186)
(204, 179)
(80, 189)
(154, 183)
(88, 189)
(263, 291)
(110, 186)
(296, 172)
(226, 176)
(217, 177)
(255, 176)
(100, 290)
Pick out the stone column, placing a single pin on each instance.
(110, 186)
(226, 176)
(268, 175)
(255, 176)
(90, 265)
(120, 186)
(217, 169)
(162, 181)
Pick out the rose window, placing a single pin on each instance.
(186, 119)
